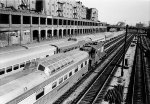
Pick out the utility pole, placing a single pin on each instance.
(124, 51)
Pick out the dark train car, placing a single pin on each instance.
(96, 52)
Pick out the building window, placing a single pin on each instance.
(54, 85)
(42, 21)
(16, 19)
(60, 21)
(65, 22)
(35, 20)
(55, 21)
(26, 20)
(49, 21)
(4, 19)
(40, 93)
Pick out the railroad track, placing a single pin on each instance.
(147, 77)
(145, 42)
(109, 42)
(95, 93)
(73, 88)
(137, 93)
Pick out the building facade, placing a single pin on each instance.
(54, 19)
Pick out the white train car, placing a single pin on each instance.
(54, 76)
(16, 61)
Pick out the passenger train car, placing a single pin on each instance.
(13, 60)
(53, 76)
(16, 61)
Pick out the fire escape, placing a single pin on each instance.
(60, 8)
(24, 5)
(75, 12)
(94, 15)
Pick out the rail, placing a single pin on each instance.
(137, 93)
(73, 88)
(95, 93)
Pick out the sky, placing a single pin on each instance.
(113, 11)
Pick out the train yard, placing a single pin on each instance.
(94, 86)
(101, 68)
(139, 85)
(59, 52)
(97, 80)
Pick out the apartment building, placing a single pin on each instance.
(45, 19)
(92, 14)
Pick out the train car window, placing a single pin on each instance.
(40, 94)
(70, 74)
(2, 71)
(9, 69)
(76, 70)
(42, 68)
(22, 65)
(65, 77)
(85, 62)
(82, 65)
(53, 71)
(16, 67)
(54, 85)
(60, 80)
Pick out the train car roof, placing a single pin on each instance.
(28, 53)
(68, 56)
(28, 46)
(17, 87)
